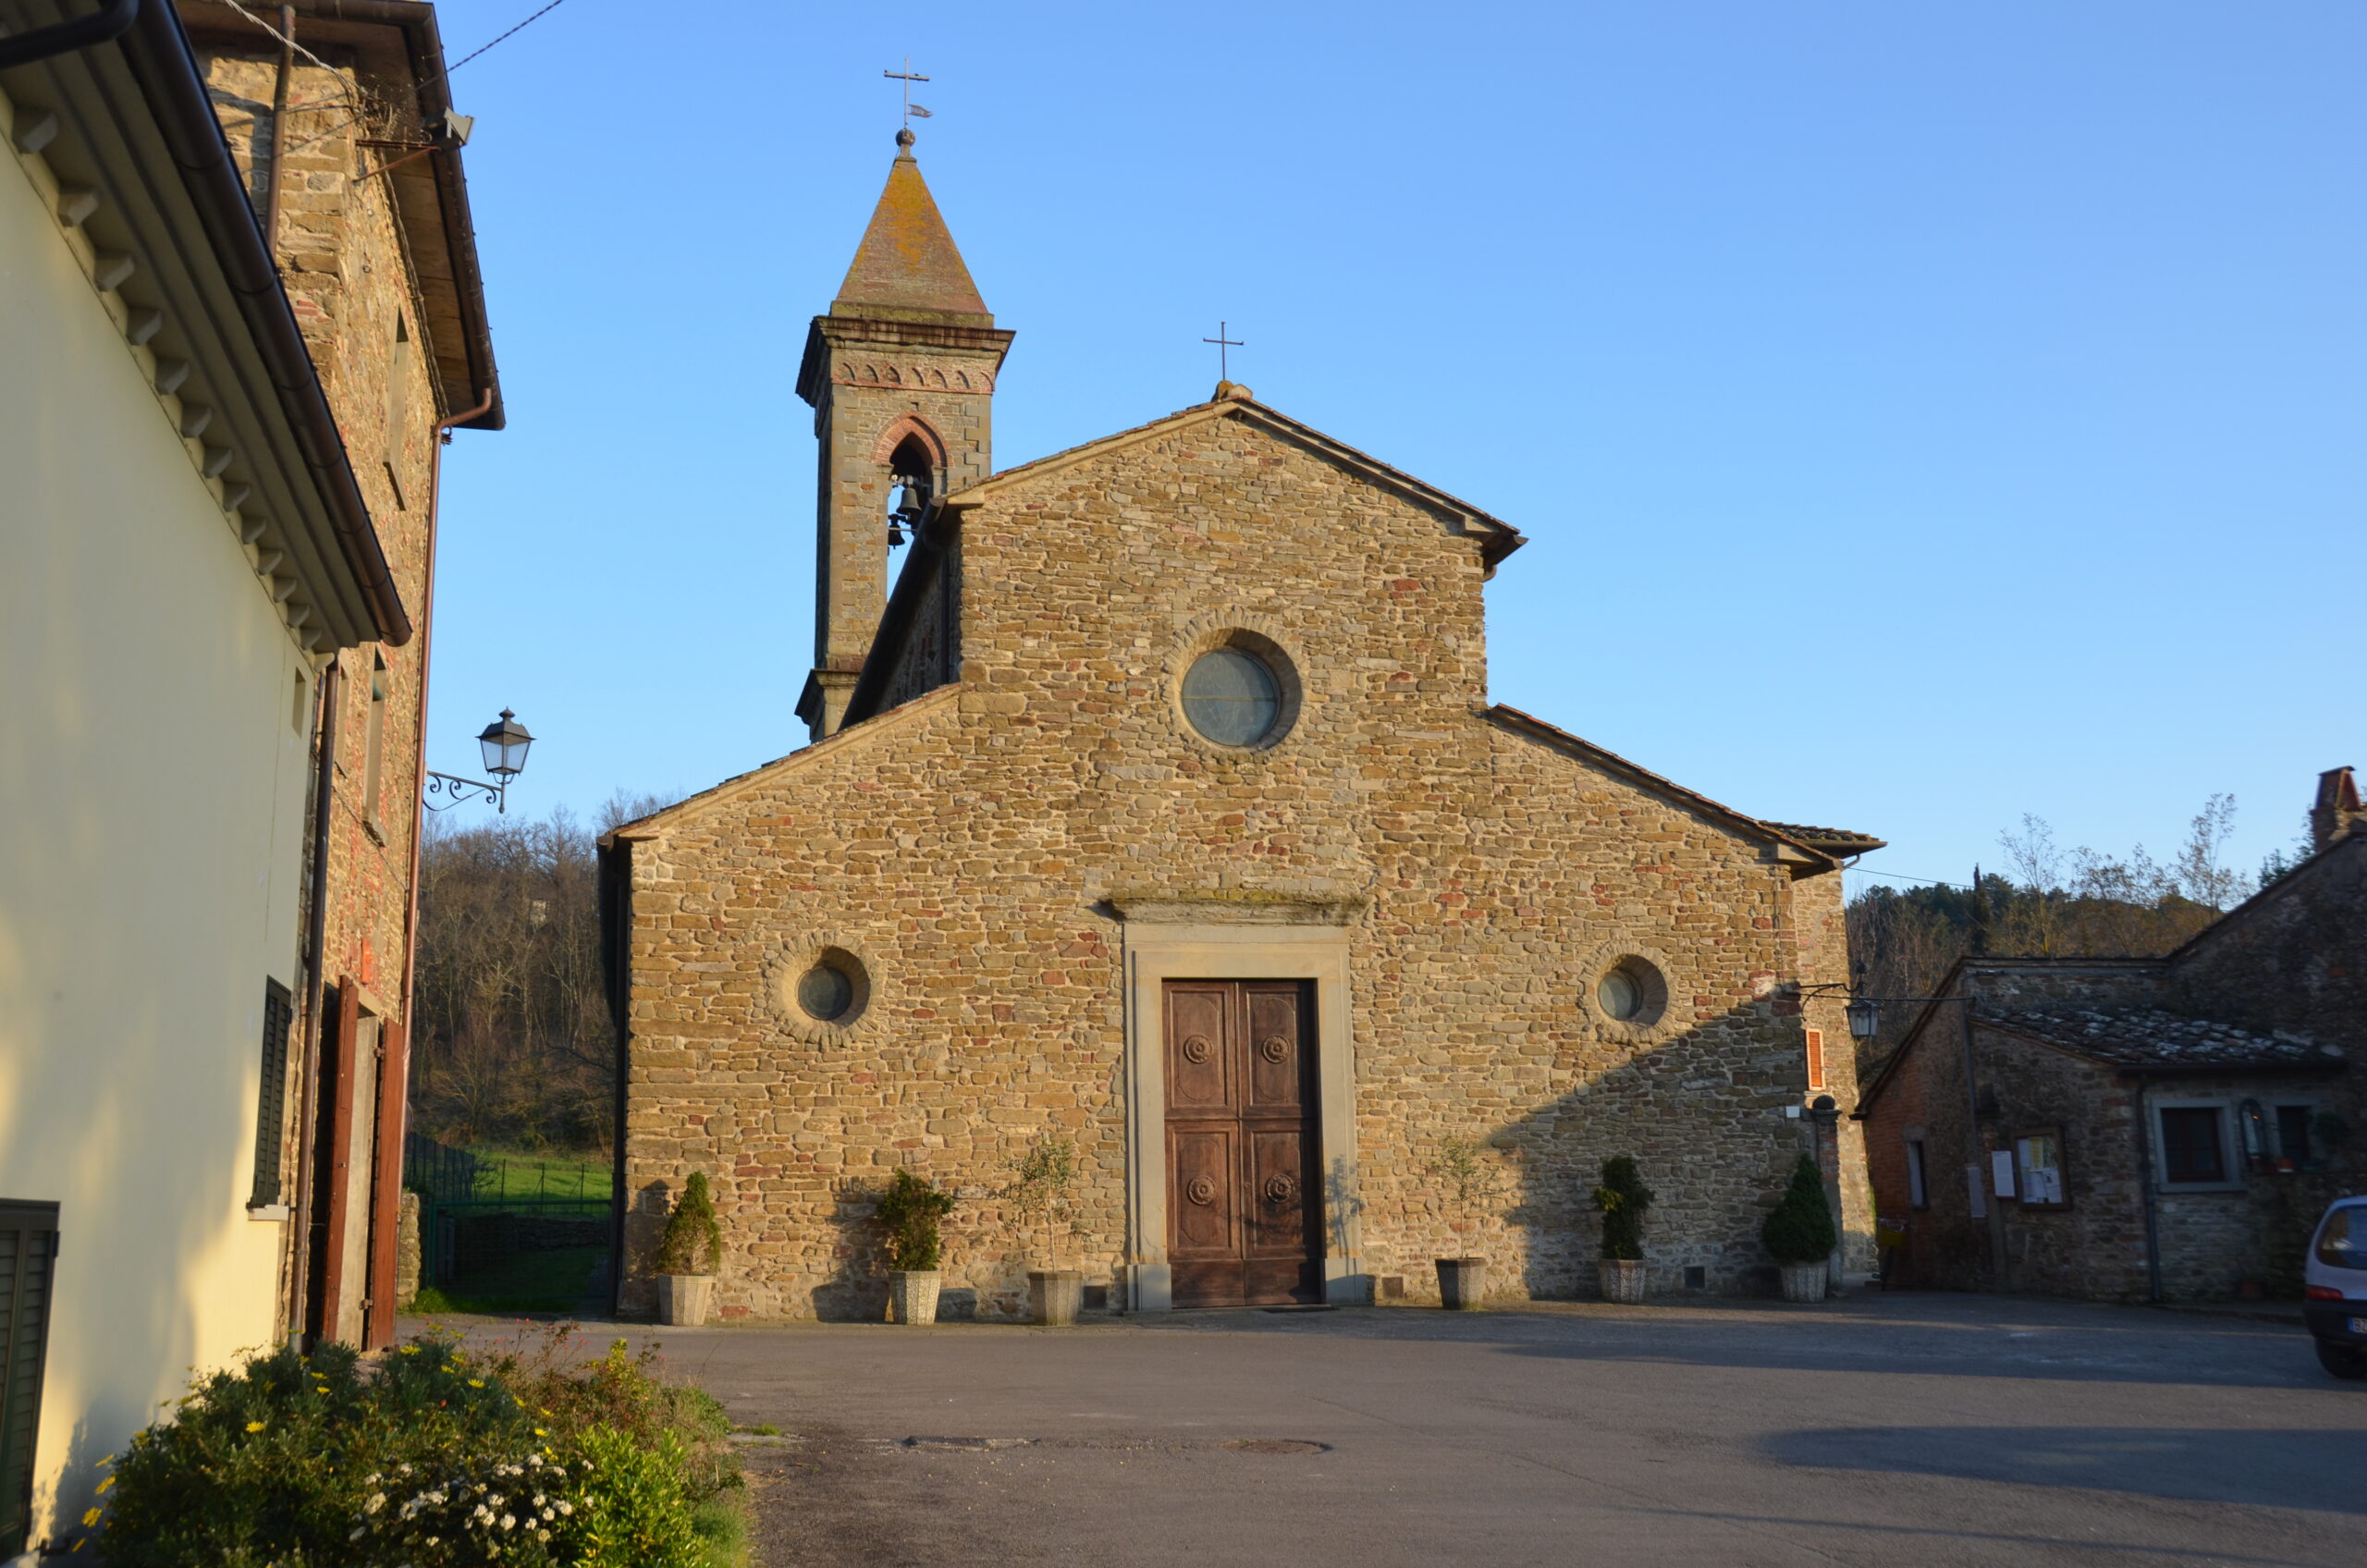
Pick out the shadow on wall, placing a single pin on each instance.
(2261, 1469)
(1702, 1114)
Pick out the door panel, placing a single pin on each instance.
(1273, 1052)
(1245, 1221)
(1202, 1165)
(1198, 1066)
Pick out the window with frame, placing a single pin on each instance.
(28, 1270)
(2296, 1141)
(2038, 1169)
(375, 756)
(1816, 1058)
(2194, 1144)
(397, 387)
(1918, 1192)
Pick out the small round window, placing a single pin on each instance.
(1632, 991)
(833, 988)
(1232, 696)
(826, 992)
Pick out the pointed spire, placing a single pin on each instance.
(908, 261)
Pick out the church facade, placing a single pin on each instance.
(1160, 809)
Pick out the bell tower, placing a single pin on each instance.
(901, 376)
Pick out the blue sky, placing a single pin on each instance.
(1921, 415)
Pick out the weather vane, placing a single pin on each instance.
(1223, 343)
(908, 76)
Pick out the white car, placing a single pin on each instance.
(2335, 1289)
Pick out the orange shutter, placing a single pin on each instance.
(1815, 1058)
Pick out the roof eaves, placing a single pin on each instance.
(891, 722)
(1554, 735)
(1500, 538)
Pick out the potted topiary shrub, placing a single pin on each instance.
(1800, 1233)
(1458, 1164)
(914, 1210)
(689, 1253)
(1622, 1197)
(1040, 1193)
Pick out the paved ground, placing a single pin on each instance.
(1918, 1430)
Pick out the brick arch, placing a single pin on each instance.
(909, 425)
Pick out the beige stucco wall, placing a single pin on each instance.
(152, 809)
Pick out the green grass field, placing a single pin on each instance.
(514, 1174)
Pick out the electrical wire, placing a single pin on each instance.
(472, 54)
(1901, 877)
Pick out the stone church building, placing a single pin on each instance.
(1159, 805)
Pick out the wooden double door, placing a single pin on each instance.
(1245, 1203)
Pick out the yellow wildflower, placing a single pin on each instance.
(254, 1426)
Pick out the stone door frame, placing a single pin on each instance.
(1214, 939)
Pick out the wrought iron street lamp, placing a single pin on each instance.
(504, 742)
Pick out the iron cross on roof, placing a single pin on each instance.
(1223, 343)
(908, 75)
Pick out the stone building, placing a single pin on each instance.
(1161, 807)
(2139, 1128)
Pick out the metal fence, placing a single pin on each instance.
(479, 1216)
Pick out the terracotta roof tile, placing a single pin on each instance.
(1839, 841)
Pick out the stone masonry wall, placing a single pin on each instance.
(962, 847)
(2295, 959)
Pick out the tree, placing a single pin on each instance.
(1623, 1198)
(2058, 903)
(1801, 1231)
(692, 1241)
(512, 1042)
(1040, 1187)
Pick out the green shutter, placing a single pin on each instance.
(272, 1110)
(27, 1261)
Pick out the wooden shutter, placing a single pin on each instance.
(387, 1190)
(271, 1109)
(1815, 1058)
(28, 1267)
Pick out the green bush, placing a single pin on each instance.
(436, 1458)
(1800, 1231)
(1623, 1198)
(912, 1209)
(694, 1240)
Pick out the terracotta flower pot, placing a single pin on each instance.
(1054, 1295)
(1463, 1282)
(1622, 1281)
(911, 1295)
(685, 1300)
(1804, 1281)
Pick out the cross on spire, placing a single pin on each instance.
(1223, 343)
(908, 75)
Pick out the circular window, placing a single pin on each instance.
(828, 987)
(826, 992)
(1632, 991)
(1232, 697)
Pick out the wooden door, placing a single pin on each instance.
(1244, 1204)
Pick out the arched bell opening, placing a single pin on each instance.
(912, 482)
